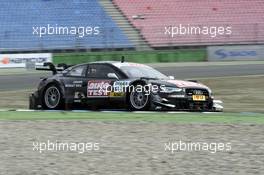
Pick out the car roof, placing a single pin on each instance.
(109, 62)
(96, 62)
(118, 64)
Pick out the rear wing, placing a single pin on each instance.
(48, 66)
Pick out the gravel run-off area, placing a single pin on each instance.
(129, 148)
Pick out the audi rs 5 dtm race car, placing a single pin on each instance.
(132, 86)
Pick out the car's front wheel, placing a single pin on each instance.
(139, 100)
(52, 97)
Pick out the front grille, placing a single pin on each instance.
(190, 92)
(192, 105)
(187, 103)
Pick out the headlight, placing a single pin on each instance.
(210, 91)
(167, 89)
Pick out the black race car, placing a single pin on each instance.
(132, 86)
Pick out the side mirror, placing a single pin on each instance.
(112, 75)
(171, 77)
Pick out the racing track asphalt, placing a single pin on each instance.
(179, 70)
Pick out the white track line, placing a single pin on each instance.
(24, 110)
(178, 112)
(145, 112)
(106, 111)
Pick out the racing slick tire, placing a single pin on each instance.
(139, 100)
(32, 102)
(52, 98)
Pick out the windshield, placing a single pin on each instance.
(142, 71)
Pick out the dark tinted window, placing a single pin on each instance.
(142, 71)
(78, 71)
(99, 71)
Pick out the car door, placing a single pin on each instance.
(75, 83)
(99, 83)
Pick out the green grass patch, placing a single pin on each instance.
(180, 55)
(137, 117)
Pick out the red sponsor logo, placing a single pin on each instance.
(98, 88)
(5, 60)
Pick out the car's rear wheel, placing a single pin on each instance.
(139, 100)
(52, 97)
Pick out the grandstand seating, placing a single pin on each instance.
(244, 16)
(18, 17)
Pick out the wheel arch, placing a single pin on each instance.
(56, 83)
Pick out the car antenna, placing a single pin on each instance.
(122, 59)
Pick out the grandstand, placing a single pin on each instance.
(245, 17)
(18, 17)
(126, 24)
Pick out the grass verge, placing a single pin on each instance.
(15, 99)
(239, 94)
(137, 117)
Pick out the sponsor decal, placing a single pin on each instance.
(117, 94)
(222, 54)
(20, 60)
(78, 96)
(120, 86)
(5, 60)
(238, 52)
(198, 92)
(69, 85)
(75, 84)
(121, 83)
(98, 88)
